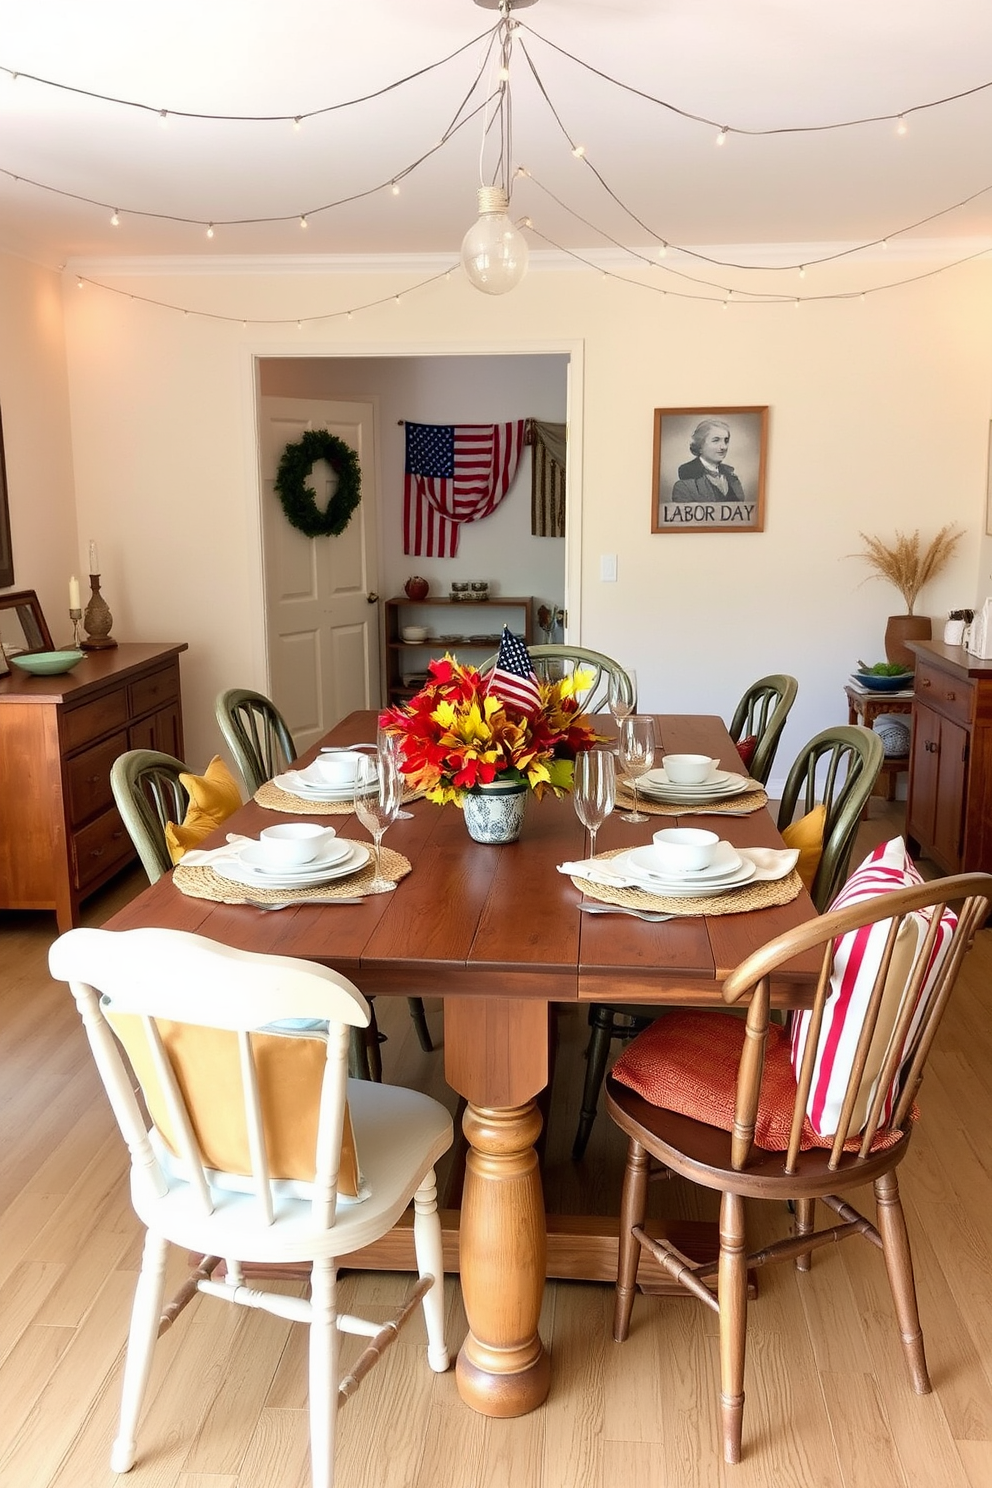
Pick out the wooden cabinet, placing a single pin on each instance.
(949, 807)
(60, 833)
(469, 629)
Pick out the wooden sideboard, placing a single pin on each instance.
(61, 837)
(949, 807)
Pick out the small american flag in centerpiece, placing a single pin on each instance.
(513, 679)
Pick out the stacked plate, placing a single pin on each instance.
(310, 784)
(728, 870)
(336, 859)
(722, 785)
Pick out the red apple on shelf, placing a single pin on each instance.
(416, 588)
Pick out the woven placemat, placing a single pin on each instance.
(204, 883)
(745, 803)
(273, 798)
(761, 895)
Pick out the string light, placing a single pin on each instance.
(721, 138)
(79, 282)
(163, 117)
(210, 230)
(115, 220)
(663, 250)
(901, 125)
(395, 189)
(303, 220)
(802, 271)
(578, 151)
(298, 123)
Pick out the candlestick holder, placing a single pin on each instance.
(75, 616)
(97, 620)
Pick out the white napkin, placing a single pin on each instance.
(198, 857)
(770, 863)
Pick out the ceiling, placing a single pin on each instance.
(754, 64)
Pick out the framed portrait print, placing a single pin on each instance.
(6, 555)
(709, 469)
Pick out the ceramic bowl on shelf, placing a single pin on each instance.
(414, 633)
(47, 663)
(885, 682)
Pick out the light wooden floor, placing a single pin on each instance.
(828, 1403)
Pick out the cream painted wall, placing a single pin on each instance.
(34, 400)
(879, 420)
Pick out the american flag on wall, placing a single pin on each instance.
(454, 474)
(512, 679)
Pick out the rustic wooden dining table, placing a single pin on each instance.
(496, 933)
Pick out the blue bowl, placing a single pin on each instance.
(876, 682)
(48, 663)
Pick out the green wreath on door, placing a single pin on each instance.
(299, 501)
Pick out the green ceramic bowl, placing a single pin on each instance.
(47, 663)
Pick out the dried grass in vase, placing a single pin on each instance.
(904, 564)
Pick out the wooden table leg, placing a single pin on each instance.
(503, 1368)
(496, 1056)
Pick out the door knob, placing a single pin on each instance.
(372, 598)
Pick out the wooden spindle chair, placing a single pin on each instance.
(743, 1079)
(242, 1063)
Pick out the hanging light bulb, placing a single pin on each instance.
(494, 255)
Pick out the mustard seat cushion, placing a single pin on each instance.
(807, 835)
(213, 797)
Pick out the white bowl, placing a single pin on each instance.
(414, 632)
(689, 769)
(292, 842)
(338, 769)
(684, 849)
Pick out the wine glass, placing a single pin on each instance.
(594, 790)
(636, 756)
(390, 743)
(621, 699)
(378, 792)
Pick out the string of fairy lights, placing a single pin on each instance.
(655, 255)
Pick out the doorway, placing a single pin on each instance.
(446, 389)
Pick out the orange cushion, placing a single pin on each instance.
(807, 835)
(688, 1062)
(213, 797)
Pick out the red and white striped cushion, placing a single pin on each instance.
(856, 961)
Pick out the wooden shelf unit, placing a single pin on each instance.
(460, 616)
(61, 837)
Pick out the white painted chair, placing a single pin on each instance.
(197, 1021)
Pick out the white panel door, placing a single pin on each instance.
(321, 594)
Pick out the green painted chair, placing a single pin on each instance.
(838, 769)
(259, 739)
(148, 793)
(761, 715)
(256, 734)
(552, 662)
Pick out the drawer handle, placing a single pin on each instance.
(925, 682)
(950, 696)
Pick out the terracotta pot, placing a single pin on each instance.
(902, 628)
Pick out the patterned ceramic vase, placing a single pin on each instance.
(495, 813)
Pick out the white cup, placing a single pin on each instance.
(684, 849)
(292, 842)
(337, 769)
(689, 769)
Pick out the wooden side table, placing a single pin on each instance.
(864, 707)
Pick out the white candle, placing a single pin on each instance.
(94, 560)
(74, 593)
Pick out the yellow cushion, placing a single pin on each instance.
(807, 835)
(208, 1071)
(213, 797)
